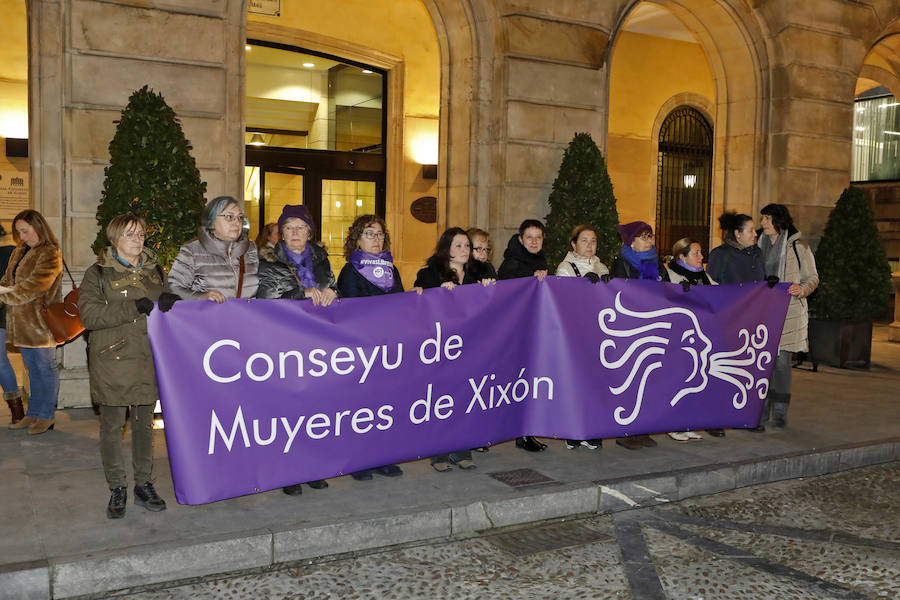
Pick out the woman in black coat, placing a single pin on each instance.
(738, 259)
(452, 264)
(369, 271)
(639, 260)
(524, 257)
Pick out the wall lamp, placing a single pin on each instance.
(257, 140)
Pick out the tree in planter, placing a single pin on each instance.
(582, 193)
(152, 174)
(854, 274)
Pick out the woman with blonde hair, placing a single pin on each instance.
(34, 278)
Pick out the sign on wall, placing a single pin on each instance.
(265, 7)
(14, 193)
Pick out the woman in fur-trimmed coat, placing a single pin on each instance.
(33, 278)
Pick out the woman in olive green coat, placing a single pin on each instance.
(117, 294)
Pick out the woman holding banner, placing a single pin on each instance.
(481, 250)
(222, 262)
(738, 259)
(297, 268)
(581, 260)
(117, 293)
(369, 271)
(34, 278)
(639, 260)
(686, 268)
(524, 257)
(452, 264)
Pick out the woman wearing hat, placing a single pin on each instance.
(639, 260)
(297, 268)
(222, 262)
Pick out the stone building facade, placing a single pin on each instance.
(513, 80)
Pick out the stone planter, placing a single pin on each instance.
(840, 344)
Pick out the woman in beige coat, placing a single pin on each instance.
(787, 257)
(32, 279)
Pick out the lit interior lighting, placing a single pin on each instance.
(309, 65)
(892, 132)
(358, 202)
(690, 181)
(367, 71)
(337, 203)
(860, 128)
(248, 47)
(257, 140)
(889, 105)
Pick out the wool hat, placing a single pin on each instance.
(629, 231)
(295, 211)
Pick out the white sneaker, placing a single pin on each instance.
(679, 436)
(591, 444)
(693, 435)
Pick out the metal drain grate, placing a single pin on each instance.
(521, 477)
(548, 537)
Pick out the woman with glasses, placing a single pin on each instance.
(639, 260)
(33, 277)
(222, 262)
(369, 271)
(581, 260)
(116, 295)
(298, 269)
(451, 265)
(481, 250)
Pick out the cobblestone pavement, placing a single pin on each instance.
(836, 536)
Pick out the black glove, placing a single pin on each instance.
(686, 285)
(605, 278)
(166, 300)
(772, 280)
(592, 277)
(144, 305)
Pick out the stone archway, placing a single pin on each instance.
(736, 58)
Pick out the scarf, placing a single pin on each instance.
(303, 262)
(684, 265)
(378, 269)
(773, 254)
(646, 262)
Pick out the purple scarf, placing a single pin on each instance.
(684, 265)
(303, 261)
(646, 262)
(378, 269)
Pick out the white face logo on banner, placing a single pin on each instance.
(643, 351)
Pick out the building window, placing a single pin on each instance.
(684, 177)
(876, 139)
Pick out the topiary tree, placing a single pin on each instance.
(582, 193)
(152, 174)
(854, 274)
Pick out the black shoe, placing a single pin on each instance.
(757, 429)
(572, 444)
(293, 490)
(117, 501)
(145, 495)
(318, 484)
(780, 423)
(389, 470)
(362, 475)
(630, 443)
(716, 432)
(529, 444)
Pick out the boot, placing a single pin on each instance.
(41, 426)
(14, 400)
(779, 414)
(24, 423)
(766, 414)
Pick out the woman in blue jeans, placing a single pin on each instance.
(33, 277)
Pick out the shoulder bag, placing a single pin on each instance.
(62, 317)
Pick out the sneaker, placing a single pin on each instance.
(466, 464)
(145, 495)
(572, 444)
(693, 435)
(118, 498)
(592, 444)
(679, 436)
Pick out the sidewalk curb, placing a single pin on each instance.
(71, 576)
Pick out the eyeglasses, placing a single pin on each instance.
(646, 236)
(481, 249)
(231, 218)
(374, 235)
(134, 235)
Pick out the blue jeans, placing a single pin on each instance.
(43, 380)
(7, 374)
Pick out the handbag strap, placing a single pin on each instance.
(69, 273)
(240, 277)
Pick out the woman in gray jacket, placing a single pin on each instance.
(222, 262)
(786, 256)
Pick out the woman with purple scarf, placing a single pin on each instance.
(297, 268)
(639, 260)
(369, 271)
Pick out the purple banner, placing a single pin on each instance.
(260, 394)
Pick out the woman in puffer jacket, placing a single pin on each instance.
(786, 256)
(222, 262)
